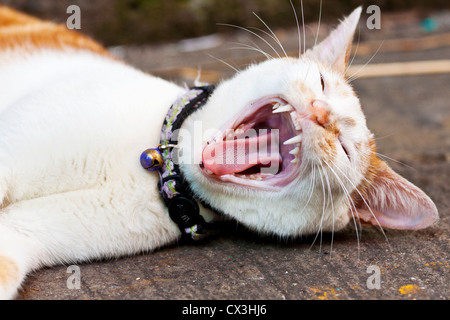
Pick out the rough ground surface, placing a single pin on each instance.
(410, 115)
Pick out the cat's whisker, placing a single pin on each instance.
(353, 76)
(351, 205)
(298, 30)
(253, 33)
(351, 168)
(365, 202)
(348, 166)
(332, 209)
(356, 51)
(320, 230)
(314, 171)
(313, 184)
(303, 23)
(274, 37)
(385, 136)
(224, 62)
(244, 46)
(305, 116)
(318, 24)
(392, 159)
(269, 35)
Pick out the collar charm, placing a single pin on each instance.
(183, 208)
(151, 159)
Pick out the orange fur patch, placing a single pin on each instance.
(329, 146)
(333, 128)
(10, 17)
(8, 270)
(349, 122)
(343, 89)
(18, 30)
(307, 94)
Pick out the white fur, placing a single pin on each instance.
(70, 179)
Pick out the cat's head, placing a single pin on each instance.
(283, 147)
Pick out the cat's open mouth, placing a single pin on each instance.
(260, 148)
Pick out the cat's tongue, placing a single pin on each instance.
(233, 156)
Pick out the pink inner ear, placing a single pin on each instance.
(397, 204)
(334, 51)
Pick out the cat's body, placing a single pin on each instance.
(74, 120)
(83, 172)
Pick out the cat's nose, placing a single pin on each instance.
(319, 112)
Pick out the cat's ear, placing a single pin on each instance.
(335, 50)
(393, 202)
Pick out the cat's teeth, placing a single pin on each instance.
(276, 106)
(208, 171)
(258, 177)
(296, 123)
(238, 131)
(295, 151)
(285, 108)
(294, 140)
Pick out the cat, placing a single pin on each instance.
(74, 120)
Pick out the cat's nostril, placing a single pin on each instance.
(318, 112)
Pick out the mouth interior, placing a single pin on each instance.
(254, 148)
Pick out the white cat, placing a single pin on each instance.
(74, 121)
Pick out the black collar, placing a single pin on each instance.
(183, 209)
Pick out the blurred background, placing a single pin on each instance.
(115, 22)
(176, 38)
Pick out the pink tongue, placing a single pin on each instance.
(233, 156)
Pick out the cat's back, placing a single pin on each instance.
(34, 54)
(76, 101)
(46, 62)
(19, 31)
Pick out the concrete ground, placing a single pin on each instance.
(410, 115)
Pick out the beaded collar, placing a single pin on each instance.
(183, 209)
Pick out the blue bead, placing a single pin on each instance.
(151, 159)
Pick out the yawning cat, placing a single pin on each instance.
(74, 121)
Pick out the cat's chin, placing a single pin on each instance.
(260, 148)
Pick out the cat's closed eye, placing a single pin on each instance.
(345, 150)
(322, 82)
